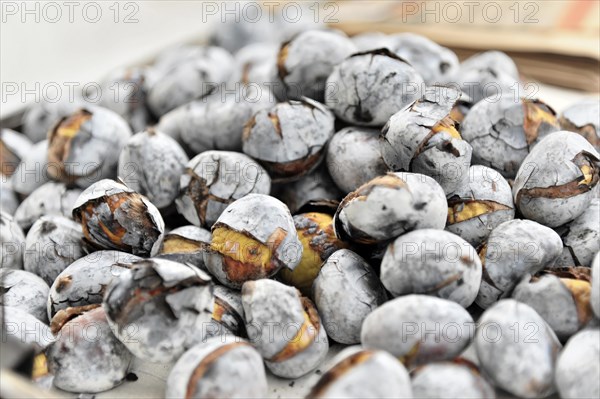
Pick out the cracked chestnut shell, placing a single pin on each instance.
(186, 244)
(228, 314)
(389, 206)
(434, 62)
(581, 237)
(502, 133)
(151, 163)
(206, 371)
(513, 250)
(125, 92)
(158, 308)
(186, 73)
(49, 199)
(252, 239)
(86, 356)
(560, 296)
(52, 244)
(319, 241)
(84, 147)
(25, 291)
(214, 179)
(432, 262)
(84, 281)
(556, 182)
(289, 139)
(482, 202)
(367, 88)
(284, 327)
(115, 217)
(363, 373)
(305, 62)
(423, 138)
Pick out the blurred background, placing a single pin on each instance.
(50, 46)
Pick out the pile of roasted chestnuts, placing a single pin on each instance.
(278, 194)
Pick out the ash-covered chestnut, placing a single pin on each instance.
(124, 91)
(354, 157)
(228, 314)
(316, 186)
(41, 116)
(456, 379)
(289, 139)
(252, 239)
(14, 147)
(479, 204)
(583, 117)
(86, 357)
(363, 373)
(487, 74)
(315, 231)
(217, 122)
(84, 281)
(24, 328)
(12, 241)
(113, 216)
(432, 262)
(305, 62)
(214, 179)
(52, 244)
(151, 163)
(595, 295)
(418, 329)
(503, 132)
(32, 172)
(186, 73)
(346, 290)
(254, 64)
(578, 366)
(560, 296)
(581, 237)
(284, 327)
(84, 147)
(556, 181)
(423, 138)
(434, 62)
(49, 199)
(185, 244)
(206, 371)
(9, 202)
(25, 291)
(158, 307)
(516, 349)
(389, 206)
(513, 250)
(367, 88)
